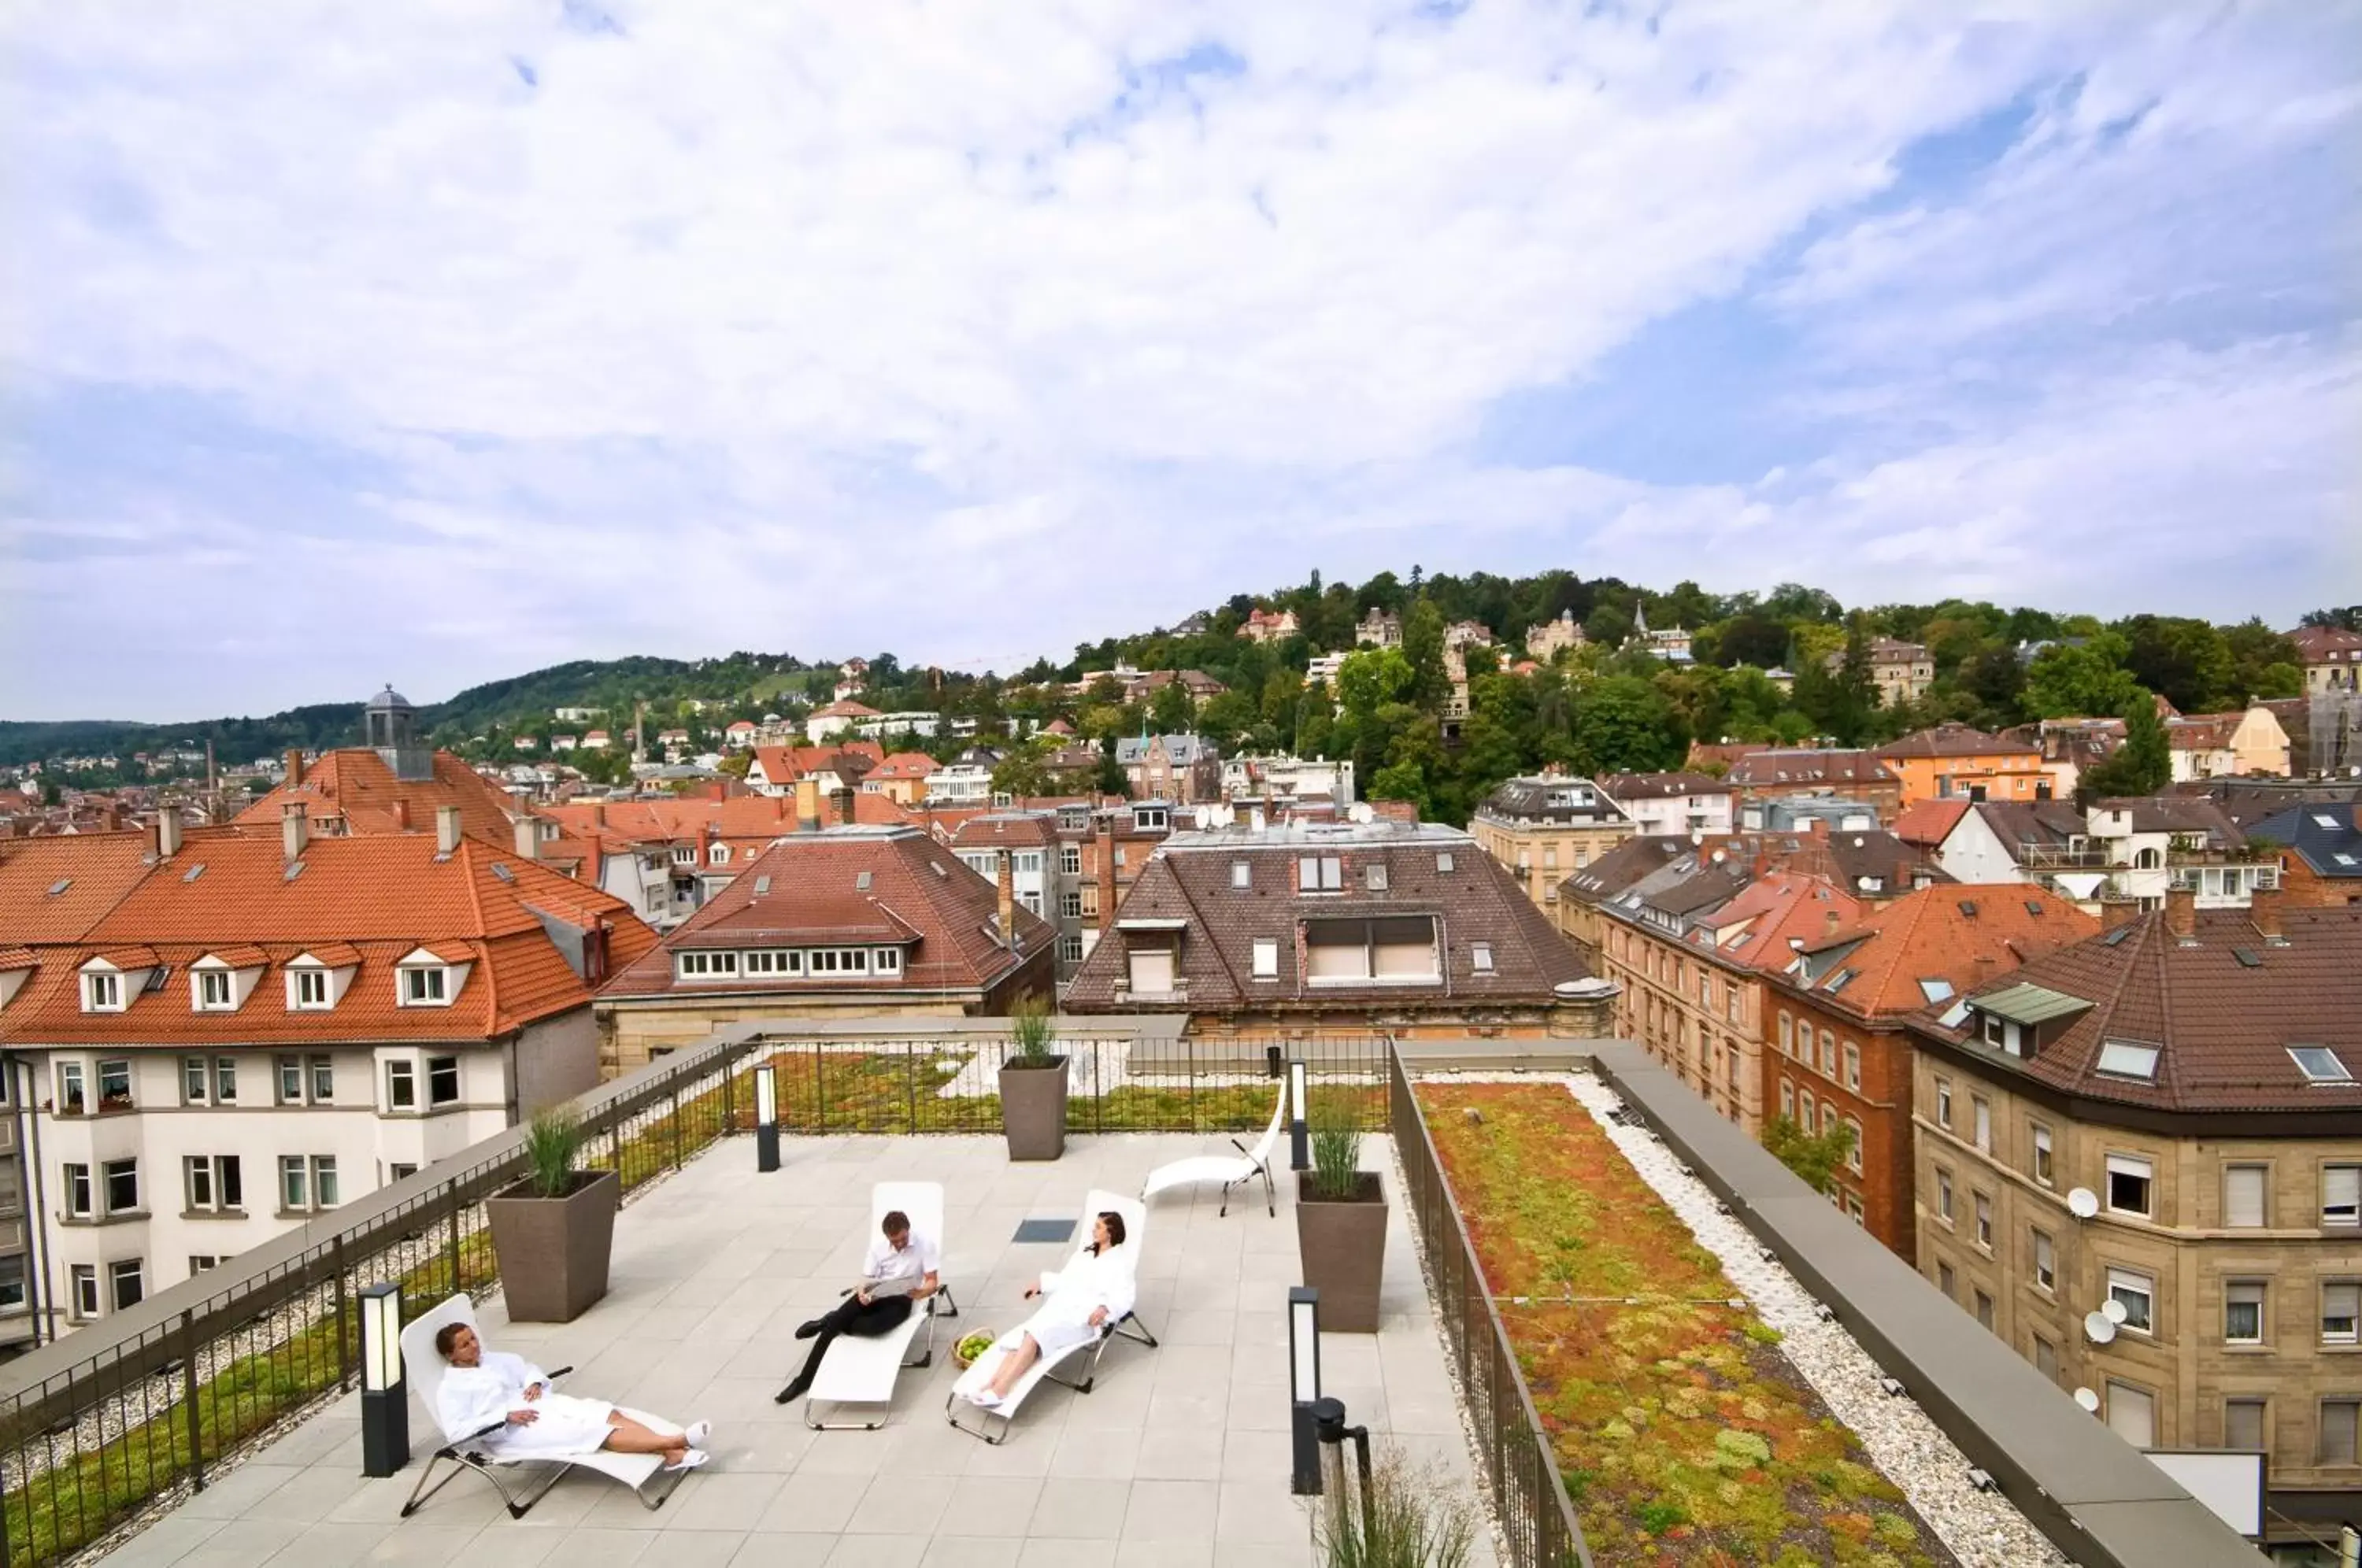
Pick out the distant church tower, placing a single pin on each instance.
(392, 726)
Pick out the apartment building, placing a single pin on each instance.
(1957, 759)
(2318, 852)
(1345, 929)
(1782, 772)
(1675, 803)
(2216, 746)
(1184, 769)
(1902, 672)
(1840, 1012)
(2332, 657)
(845, 920)
(2139, 1161)
(250, 1033)
(1545, 828)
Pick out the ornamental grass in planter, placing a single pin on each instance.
(554, 1233)
(1341, 1224)
(1401, 1518)
(1683, 1435)
(1032, 1086)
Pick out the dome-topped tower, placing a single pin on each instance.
(392, 726)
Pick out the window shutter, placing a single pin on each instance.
(2341, 1192)
(2243, 1197)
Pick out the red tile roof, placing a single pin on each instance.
(1779, 767)
(368, 901)
(1927, 823)
(356, 784)
(1960, 936)
(1956, 740)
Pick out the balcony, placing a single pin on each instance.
(1180, 1451)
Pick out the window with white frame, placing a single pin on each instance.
(114, 1084)
(1943, 1195)
(426, 985)
(2341, 1196)
(2042, 1153)
(1480, 955)
(1266, 958)
(1984, 1220)
(196, 1084)
(693, 964)
(1070, 859)
(1393, 949)
(1981, 1121)
(887, 960)
(225, 1080)
(1944, 1102)
(216, 991)
(85, 1290)
(213, 1182)
(1853, 1152)
(2045, 1261)
(295, 1183)
(1070, 950)
(77, 1191)
(1787, 1100)
(2341, 1301)
(2245, 1197)
(2134, 1292)
(441, 1080)
(719, 855)
(122, 1178)
(309, 989)
(1787, 1035)
(2243, 1312)
(1852, 1066)
(2132, 1185)
(1319, 874)
(1070, 906)
(401, 1085)
(291, 1080)
(102, 991)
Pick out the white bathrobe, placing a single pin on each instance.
(1070, 1294)
(475, 1396)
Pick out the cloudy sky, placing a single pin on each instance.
(437, 341)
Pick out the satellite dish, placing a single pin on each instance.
(2098, 1327)
(2089, 1400)
(2082, 1203)
(2113, 1310)
(1698, 837)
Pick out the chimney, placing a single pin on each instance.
(1828, 922)
(808, 805)
(168, 832)
(599, 813)
(401, 812)
(1106, 868)
(295, 767)
(1008, 890)
(2264, 909)
(844, 806)
(2181, 913)
(2115, 913)
(528, 838)
(446, 829)
(295, 830)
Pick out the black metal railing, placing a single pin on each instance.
(1514, 1460)
(99, 1427)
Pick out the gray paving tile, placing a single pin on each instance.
(1070, 1507)
(1170, 1510)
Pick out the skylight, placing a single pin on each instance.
(2247, 958)
(861, 881)
(502, 872)
(60, 886)
(1955, 1015)
(2122, 1059)
(762, 884)
(2322, 819)
(2319, 1064)
(1936, 990)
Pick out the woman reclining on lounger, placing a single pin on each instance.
(485, 1386)
(1080, 1301)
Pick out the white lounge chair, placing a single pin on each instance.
(1045, 1367)
(423, 1366)
(858, 1371)
(1230, 1170)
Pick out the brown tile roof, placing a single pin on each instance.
(2327, 645)
(2019, 824)
(1007, 830)
(1188, 880)
(1624, 865)
(1958, 935)
(1660, 786)
(368, 901)
(1783, 768)
(1956, 740)
(356, 784)
(849, 886)
(2178, 814)
(2221, 1009)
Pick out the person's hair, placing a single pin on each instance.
(895, 1220)
(1114, 1223)
(446, 1337)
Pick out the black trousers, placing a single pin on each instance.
(882, 1315)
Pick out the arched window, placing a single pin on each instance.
(2148, 859)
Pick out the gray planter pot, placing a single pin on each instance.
(1033, 1107)
(1342, 1245)
(553, 1251)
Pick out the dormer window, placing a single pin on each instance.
(425, 985)
(307, 989)
(214, 991)
(720, 855)
(102, 991)
(1241, 874)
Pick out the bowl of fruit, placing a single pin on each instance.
(972, 1346)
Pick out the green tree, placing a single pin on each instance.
(2068, 681)
(2265, 664)
(2186, 660)
(1024, 771)
(1172, 710)
(2142, 766)
(1623, 725)
(1373, 677)
(1422, 646)
(1112, 780)
(1814, 1157)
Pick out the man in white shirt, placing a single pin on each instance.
(899, 1253)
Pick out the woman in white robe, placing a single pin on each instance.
(484, 1387)
(1078, 1302)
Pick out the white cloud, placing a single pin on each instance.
(999, 327)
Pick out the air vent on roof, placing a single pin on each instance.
(1968, 908)
(2033, 908)
(294, 869)
(194, 872)
(2247, 958)
(60, 886)
(861, 881)
(2116, 937)
(937, 866)
(502, 872)
(762, 884)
